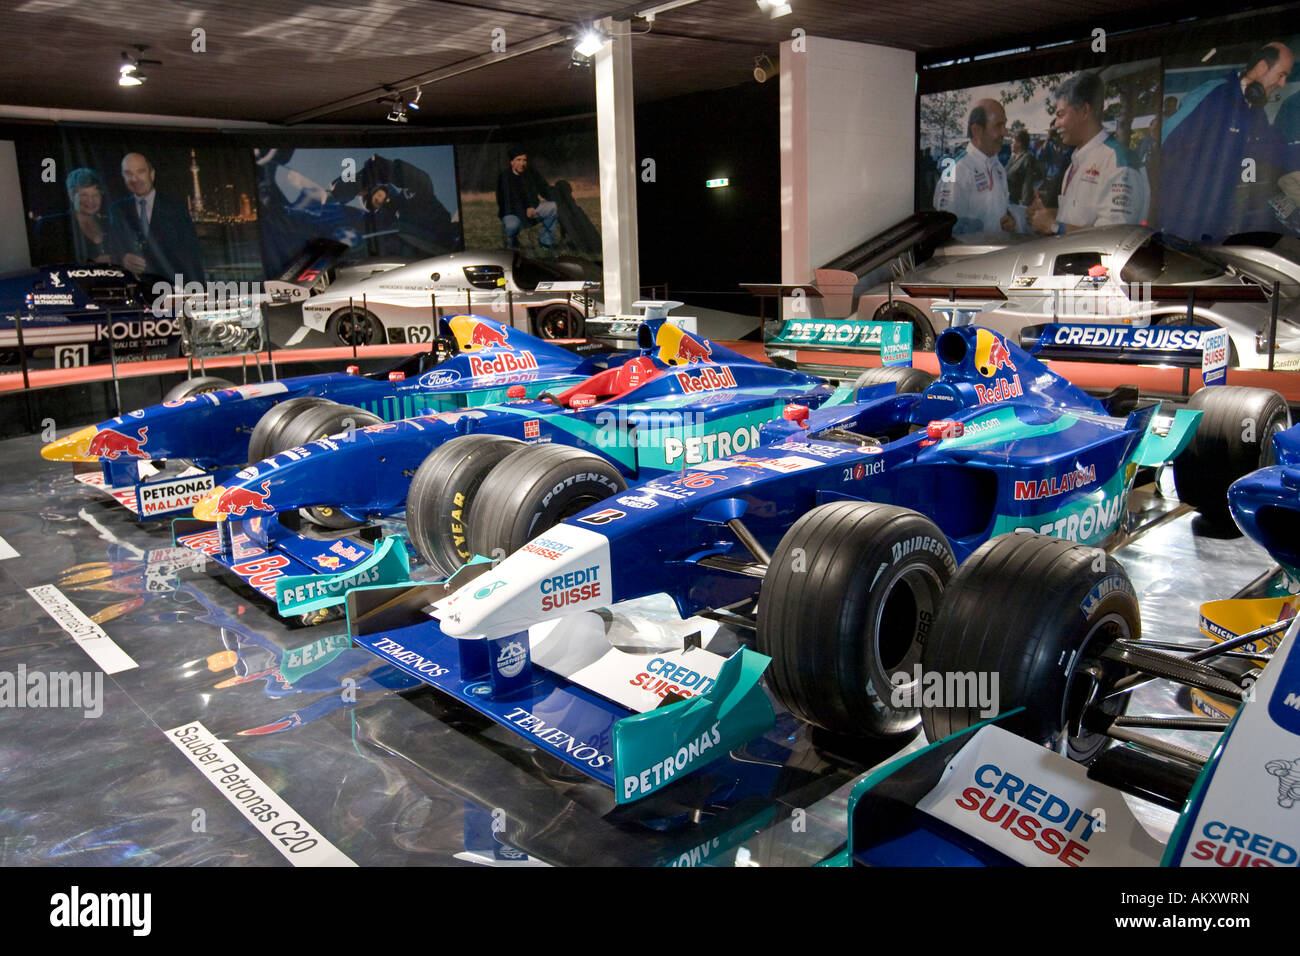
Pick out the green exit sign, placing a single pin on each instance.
(717, 183)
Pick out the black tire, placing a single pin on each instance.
(1036, 611)
(355, 326)
(1233, 438)
(533, 489)
(559, 322)
(319, 421)
(846, 603)
(196, 386)
(923, 335)
(265, 440)
(907, 379)
(442, 492)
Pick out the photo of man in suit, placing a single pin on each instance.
(152, 233)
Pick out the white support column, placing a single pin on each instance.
(616, 139)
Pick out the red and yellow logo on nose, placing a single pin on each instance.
(681, 348)
(473, 333)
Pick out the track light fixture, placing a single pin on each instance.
(590, 42)
(128, 74)
(774, 8)
(415, 103)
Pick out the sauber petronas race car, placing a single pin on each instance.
(679, 402)
(164, 459)
(832, 542)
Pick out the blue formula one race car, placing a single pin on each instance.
(1042, 783)
(832, 543)
(164, 459)
(487, 479)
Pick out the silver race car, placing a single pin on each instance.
(1157, 292)
(547, 298)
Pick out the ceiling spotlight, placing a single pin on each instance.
(415, 103)
(128, 74)
(590, 43)
(774, 8)
(763, 68)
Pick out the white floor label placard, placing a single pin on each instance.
(88, 635)
(261, 806)
(7, 550)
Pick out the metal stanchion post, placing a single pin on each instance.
(112, 358)
(1272, 325)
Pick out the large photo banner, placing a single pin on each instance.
(157, 204)
(397, 203)
(1043, 155)
(1230, 148)
(539, 194)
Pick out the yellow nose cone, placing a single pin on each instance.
(74, 447)
(206, 509)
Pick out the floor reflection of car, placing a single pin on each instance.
(542, 297)
(1120, 275)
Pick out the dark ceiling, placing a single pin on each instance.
(328, 60)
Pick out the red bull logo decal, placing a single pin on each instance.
(235, 501)
(689, 350)
(1004, 389)
(501, 364)
(708, 380)
(484, 336)
(328, 561)
(112, 444)
(1056, 485)
(347, 551)
(991, 355)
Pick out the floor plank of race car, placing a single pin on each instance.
(392, 778)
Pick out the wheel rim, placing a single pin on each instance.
(1088, 686)
(903, 615)
(355, 328)
(556, 324)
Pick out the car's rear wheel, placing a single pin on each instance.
(906, 378)
(1233, 438)
(353, 325)
(923, 336)
(265, 440)
(1035, 613)
(442, 493)
(534, 489)
(196, 386)
(321, 421)
(559, 322)
(846, 603)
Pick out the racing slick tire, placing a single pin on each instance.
(923, 335)
(265, 440)
(534, 489)
(442, 492)
(849, 595)
(196, 386)
(353, 325)
(559, 322)
(1233, 438)
(906, 378)
(320, 421)
(1037, 612)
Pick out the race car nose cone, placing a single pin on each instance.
(74, 447)
(206, 509)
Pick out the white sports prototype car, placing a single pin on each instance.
(546, 298)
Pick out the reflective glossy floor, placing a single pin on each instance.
(347, 760)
